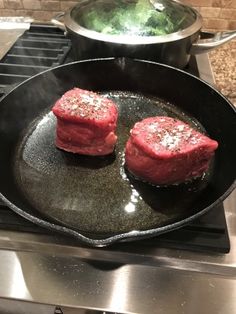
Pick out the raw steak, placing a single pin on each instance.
(86, 123)
(164, 151)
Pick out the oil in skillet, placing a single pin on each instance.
(125, 204)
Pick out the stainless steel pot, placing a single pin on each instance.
(173, 48)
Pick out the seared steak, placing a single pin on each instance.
(164, 151)
(86, 123)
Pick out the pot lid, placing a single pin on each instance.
(134, 18)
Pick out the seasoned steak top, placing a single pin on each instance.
(82, 105)
(161, 136)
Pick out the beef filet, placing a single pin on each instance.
(164, 151)
(86, 123)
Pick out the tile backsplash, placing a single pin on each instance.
(217, 14)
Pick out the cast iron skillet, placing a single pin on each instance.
(94, 198)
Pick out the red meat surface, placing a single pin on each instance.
(164, 151)
(86, 123)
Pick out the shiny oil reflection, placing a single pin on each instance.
(134, 199)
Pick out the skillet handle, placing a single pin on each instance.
(217, 39)
(56, 21)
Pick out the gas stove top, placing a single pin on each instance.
(196, 248)
(43, 47)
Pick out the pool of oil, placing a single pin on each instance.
(96, 194)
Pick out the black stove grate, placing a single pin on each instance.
(38, 49)
(45, 46)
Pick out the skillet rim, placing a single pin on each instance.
(130, 235)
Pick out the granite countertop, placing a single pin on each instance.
(223, 62)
